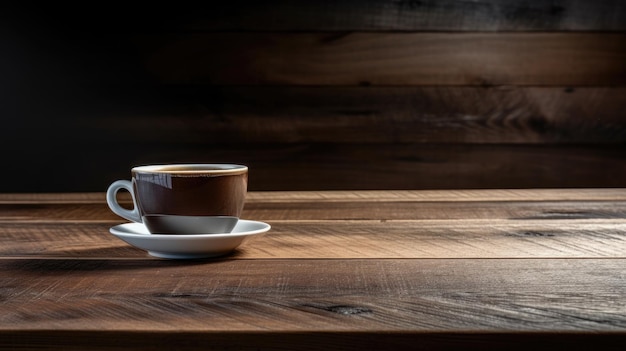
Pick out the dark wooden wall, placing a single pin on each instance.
(317, 94)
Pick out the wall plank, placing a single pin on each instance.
(430, 15)
(363, 15)
(283, 114)
(386, 58)
(92, 167)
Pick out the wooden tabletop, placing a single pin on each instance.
(356, 270)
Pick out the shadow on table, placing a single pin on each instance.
(104, 259)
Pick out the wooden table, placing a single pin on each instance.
(516, 269)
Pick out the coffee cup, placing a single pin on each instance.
(183, 198)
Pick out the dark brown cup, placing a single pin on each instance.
(184, 198)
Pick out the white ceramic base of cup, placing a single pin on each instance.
(170, 224)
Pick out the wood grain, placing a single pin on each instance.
(286, 114)
(377, 206)
(386, 58)
(371, 15)
(275, 167)
(541, 268)
(374, 196)
(327, 15)
(314, 295)
(376, 224)
(236, 82)
(372, 239)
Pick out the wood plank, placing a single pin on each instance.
(368, 15)
(460, 195)
(441, 239)
(332, 166)
(386, 58)
(299, 239)
(447, 15)
(287, 114)
(381, 211)
(314, 295)
(347, 208)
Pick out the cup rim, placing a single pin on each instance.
(191, 168)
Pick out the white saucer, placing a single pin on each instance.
(188, 246)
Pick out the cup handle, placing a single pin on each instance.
(131, 215)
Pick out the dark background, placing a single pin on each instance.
(317, 94)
